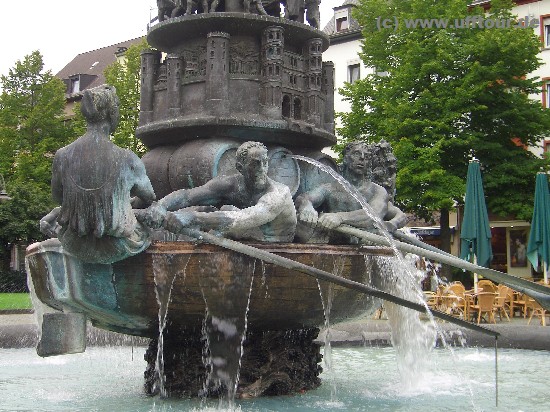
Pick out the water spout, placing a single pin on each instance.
(164, 278)
(227, 299)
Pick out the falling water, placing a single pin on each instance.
(411, 337)
(227, 299)
(264, 279)
(39, 307)
(162, 271)
(327, 349)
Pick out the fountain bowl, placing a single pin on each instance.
(124, 297)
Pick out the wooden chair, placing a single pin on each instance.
(487, 286)
(502, 301)
(538, 310)
(485, 304)
(521, 303)
(453, 300)
(432, 300)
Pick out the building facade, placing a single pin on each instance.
(509, 236)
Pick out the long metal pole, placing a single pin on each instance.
(329, 277)
(538, 292)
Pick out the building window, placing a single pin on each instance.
(342, 24)
(342, 19)
(286, 106)
(75, 85)
(546, 92)
(545, 30)
(297, 109)
(354, 72)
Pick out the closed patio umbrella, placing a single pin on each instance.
(538, 247)
(475, 233)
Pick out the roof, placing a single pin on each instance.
(92, 64)
(354, 26)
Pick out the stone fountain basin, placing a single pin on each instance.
(122, 297)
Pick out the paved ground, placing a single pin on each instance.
(20, 330)
(514, 334)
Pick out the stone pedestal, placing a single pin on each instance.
(273, 363)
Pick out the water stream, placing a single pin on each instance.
(227, 298)
(164, 277)
(412, 338)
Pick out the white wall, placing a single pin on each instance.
(537, 10)
(344, 55)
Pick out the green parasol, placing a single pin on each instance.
(475, 234)
(538, 247)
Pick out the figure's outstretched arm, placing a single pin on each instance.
(268, 207)
(142, 187)
(378, 203)
(49, 225)
(308, 203)
(211, 193)
(395, 218)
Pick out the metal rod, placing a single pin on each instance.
(538, 292)
(496, 371)
(329, 277)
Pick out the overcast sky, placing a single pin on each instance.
(62, 29)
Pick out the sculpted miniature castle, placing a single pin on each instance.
(228, 77)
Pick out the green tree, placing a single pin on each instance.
(19, 217)
(32, 125)
(32, 128)
(125, 76)
(439, 95)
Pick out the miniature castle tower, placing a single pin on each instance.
(328, 92)
(272, 71)
(314, 61)
(173, 80)
(217, 73)
(150, 61)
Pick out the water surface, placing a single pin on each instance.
(366, 379)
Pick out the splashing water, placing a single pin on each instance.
(227, 304)
(264, 279)
(327, 349)
(411, 337)
(162, 268)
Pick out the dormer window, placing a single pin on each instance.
(342, 19)
(75, 84)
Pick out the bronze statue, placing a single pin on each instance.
(330, 205)
(294, 10)
(251, 205)
(95, 222)
(208, 6)
(165, 8)
(257, 3)
(384, 167)
(313, 16)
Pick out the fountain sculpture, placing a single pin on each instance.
(237, 93)
(228, 76)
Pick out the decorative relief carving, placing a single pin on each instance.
(244, 59)
(162, 73)
(194, 63)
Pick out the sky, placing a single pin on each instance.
(62, 29)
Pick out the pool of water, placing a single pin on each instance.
(363, 379)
